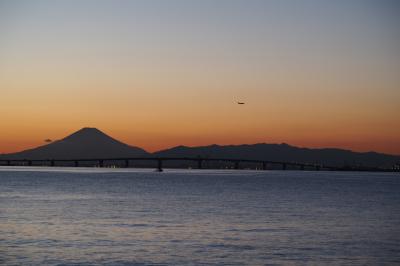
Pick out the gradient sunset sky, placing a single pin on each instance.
(157, 74)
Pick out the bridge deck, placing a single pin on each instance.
(100, 162)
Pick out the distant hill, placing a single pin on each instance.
(94, 144)
(85, 143)
(287, 153)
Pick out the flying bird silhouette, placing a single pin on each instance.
(240, 102)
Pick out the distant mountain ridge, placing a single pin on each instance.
(91, 143)
(286, 153)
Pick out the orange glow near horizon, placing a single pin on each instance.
(153, 141)
(157, 77)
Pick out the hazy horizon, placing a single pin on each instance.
(49, 141)
(157, 74)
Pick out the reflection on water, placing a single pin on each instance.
(126, 217)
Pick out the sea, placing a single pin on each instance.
(99, 216)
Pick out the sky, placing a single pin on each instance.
(157, 74)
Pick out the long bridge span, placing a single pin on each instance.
(159, 162)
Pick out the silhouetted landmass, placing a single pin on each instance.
(286, 153)
(85, 143)
(92, 143)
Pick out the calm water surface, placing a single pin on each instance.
(139, 217)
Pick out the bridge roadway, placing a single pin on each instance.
(100, 162)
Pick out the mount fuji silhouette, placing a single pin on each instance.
(91, 143)
(83, 144)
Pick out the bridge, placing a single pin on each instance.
(159, 162)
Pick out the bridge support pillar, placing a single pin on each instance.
(126, 163)
(52, 163)
(101, 163)
(29, 163)
(236, 165)
(159, 165)
(199, 164)
(264, 166)
(76, 163)
(8, 162)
